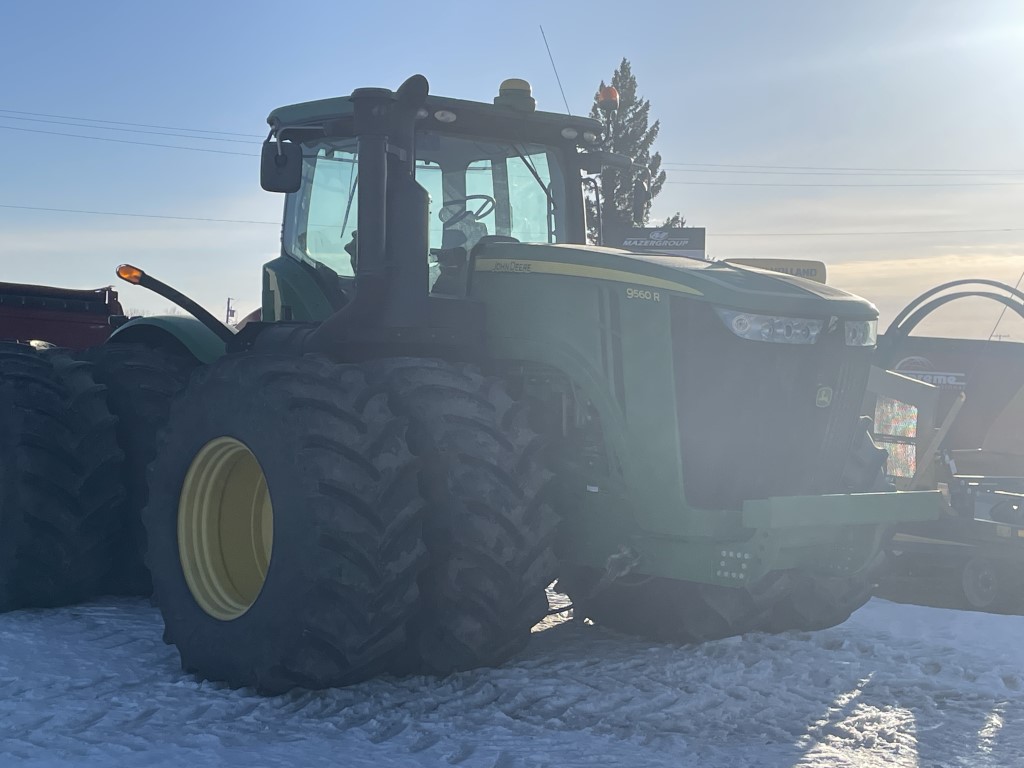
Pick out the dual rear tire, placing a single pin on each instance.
(140, 382)
(688, 612)
(60, 480)
(284, 525)
(313, 524)
(489, 525)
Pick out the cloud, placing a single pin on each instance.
(888, 270)
(891, 284)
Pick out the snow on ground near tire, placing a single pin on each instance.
(896, 685)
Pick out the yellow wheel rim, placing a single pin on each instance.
(225, 528)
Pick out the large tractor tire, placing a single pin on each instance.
(657, 608)
(283, 525)
(992, 584)
(68, 557)
(489, 527)
(32, 459)
(61, 489)
(687, 612)
(812, 602)
(141, 382)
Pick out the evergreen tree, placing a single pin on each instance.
(627, 132)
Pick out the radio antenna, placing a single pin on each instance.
(557, 78)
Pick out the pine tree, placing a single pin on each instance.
(626, 132)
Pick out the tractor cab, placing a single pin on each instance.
(476, 188)
(468, 173)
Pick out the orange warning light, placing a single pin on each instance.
(608, 98)
(130, 274)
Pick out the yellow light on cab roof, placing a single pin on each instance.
(516, 93)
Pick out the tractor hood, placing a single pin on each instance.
(727, 285)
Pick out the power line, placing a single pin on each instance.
(713, 234)
(954, 174)
(137, 125)
(692, 166)
(125, 130)
(128, 141)
(850, 168)
(857, 234)
(684, 167)
(803, 184)
(692, 183)
(136, 215)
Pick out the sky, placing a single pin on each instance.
(926, 95)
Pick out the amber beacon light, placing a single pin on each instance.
(608, 98)
(130, 274)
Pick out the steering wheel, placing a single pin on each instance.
(486, 208)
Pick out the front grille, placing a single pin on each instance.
(752, 418)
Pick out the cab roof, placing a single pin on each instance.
(315, 113)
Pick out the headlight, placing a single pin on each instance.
(861, 333)
(781, 330)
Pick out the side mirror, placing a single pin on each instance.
(595, 162)
(281, 166)
(641, 199)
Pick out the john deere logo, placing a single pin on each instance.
(824, 397)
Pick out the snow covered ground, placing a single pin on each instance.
(895, 686)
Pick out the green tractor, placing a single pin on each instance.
(450, 400)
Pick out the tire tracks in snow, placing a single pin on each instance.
(96, 684)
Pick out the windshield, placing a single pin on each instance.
(477, 188)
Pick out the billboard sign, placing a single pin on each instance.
(687, 242)
(805, 268)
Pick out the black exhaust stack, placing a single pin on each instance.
(392, 242)
(407, 211)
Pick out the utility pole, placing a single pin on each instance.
(229, 313)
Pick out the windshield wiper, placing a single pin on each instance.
(529, 165)
(348, 205)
